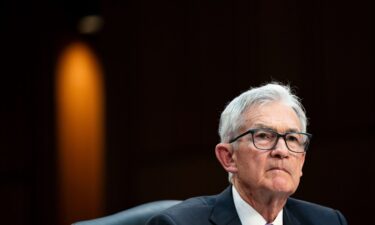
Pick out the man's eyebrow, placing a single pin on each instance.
(263, 126)
(292, 130)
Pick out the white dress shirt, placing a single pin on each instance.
(248, 215)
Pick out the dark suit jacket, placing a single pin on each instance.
(220, 210)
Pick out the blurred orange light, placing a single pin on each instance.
(80, 134)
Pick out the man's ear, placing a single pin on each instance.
(224, 153)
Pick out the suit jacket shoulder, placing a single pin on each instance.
(206, 210)
(307, 213)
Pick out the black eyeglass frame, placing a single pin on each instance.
(252, 131)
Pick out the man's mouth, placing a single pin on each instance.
(279, 169)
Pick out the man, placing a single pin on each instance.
(263, 148)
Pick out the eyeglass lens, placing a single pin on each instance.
(266, 140)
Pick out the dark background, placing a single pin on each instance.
(170, 67)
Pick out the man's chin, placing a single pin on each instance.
(282, 186)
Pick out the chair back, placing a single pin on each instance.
(137, 215)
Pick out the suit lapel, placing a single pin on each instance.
(224, 211)
(289, 217)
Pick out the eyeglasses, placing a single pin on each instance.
(266, 139)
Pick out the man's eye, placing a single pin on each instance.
(264, 135)
(292, 138)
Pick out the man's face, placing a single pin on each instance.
(275, 171)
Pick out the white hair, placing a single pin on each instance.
(232, 117)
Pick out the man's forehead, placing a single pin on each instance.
(276, 116)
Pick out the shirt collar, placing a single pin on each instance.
(248, 215)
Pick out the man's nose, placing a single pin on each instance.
(281, 149)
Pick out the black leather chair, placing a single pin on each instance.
(137, 215)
